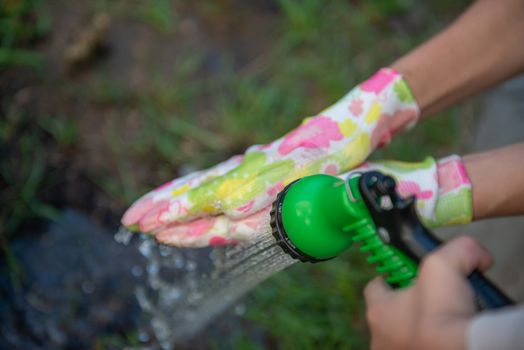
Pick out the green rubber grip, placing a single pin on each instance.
(400, 270)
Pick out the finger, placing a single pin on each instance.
(137, 211)
(155, 199)
(251, 227)
(376, 291)
(162, 214)
(258, 187)
(464, 254)
(219, 230)
(195, 234)
(264, 200)
(210, 197)
(175, 187)
(179, 207)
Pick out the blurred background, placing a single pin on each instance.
(103, 100)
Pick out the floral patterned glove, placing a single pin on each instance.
(443, 192)
(334, 141)
(442, 188)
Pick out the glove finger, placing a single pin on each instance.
(258, 192)
(216, 231)
(159, 215)
(196, 234)
(156, 199)
(235, 188)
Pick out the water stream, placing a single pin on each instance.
(186, 288)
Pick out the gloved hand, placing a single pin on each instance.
(443, 192)
(334, 141)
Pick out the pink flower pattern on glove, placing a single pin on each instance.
(379, 81)
(315, 133)
(452, 173)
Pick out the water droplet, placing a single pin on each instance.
(123, 235)
(143, 300)
(191, 265)
(162, 333)
(153, 268)
(165, 250)
(143, 337)
(171, 296)
(146, 248)
(179, 262)
(137, 270)
(240, 309)
(194, 297)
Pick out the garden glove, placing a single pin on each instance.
(336, 140)
(442, 188)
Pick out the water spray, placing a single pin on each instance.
(318, 217)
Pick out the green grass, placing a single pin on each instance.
(24, 176)
(157, 13)
(315, 306)
(21, 22)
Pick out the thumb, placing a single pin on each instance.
(376, 291)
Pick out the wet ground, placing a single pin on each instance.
(74, 287)
(70, 297)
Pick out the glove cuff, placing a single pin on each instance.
(454, 204)
(442, 188)
(399, 110)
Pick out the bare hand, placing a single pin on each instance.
(436, 311)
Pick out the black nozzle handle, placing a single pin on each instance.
(488, 295)
(422, 241)
(407, 233)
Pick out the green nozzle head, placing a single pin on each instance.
(315, 218)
